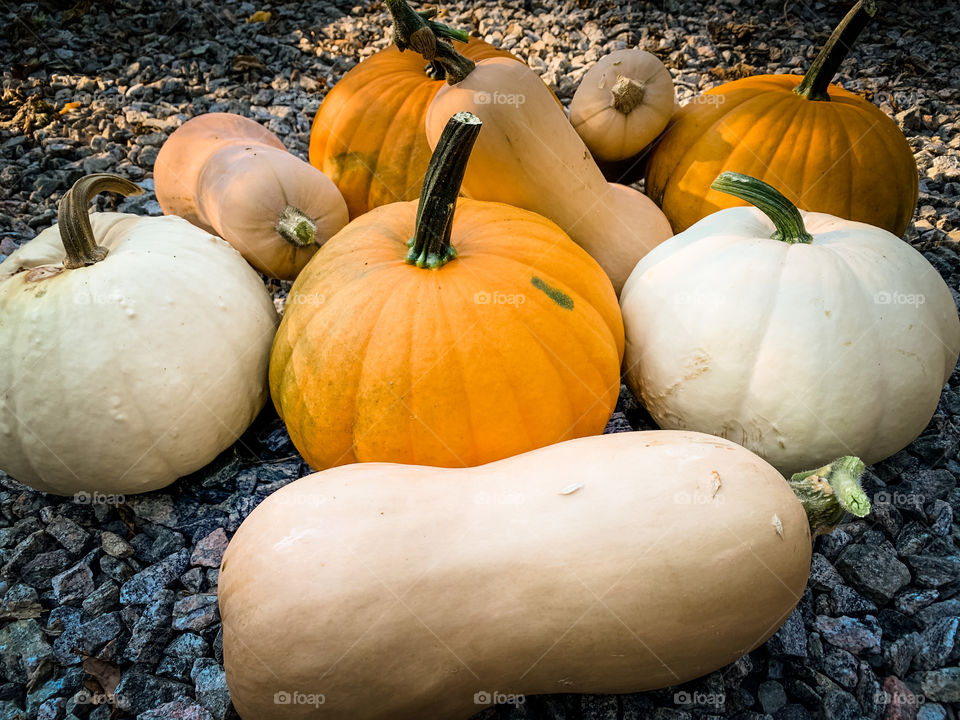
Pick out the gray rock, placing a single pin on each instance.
(72, 585)
(145, 585)
(931, 711)
(104, 598)
(19, 603)
(841, 666)
(792, 712)
(823, 576)
(772, 696)
(910, 602)
(85, 637)
(70, 535)
(195, 612)
(936, 644)
(23, 649)
(142, 692)
(209, 551)
(939, 611)
(941, 685)
(210, 683)
(177, 710)
(846, 601)
(840, 705)
(899, 654)
(116, 569)
(933, 572)
(152, 630)
(850, 634)
(39, 571)
(791, 639)
(874, 572)
(180, 655)
(115, 546)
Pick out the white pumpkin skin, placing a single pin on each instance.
(800, 352)
(614, 134)
(122, 376)
(607, 564)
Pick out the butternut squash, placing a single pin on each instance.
(607, 564)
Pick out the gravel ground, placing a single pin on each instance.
(108, 605)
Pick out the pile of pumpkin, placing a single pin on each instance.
(484, 333)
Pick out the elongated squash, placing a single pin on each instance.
(529, 156)
(606, 564)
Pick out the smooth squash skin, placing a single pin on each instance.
(827, 149)
(529, 155)
(608, 564)
(232, 177)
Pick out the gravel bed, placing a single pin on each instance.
(108, 604)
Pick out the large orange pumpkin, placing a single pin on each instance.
(487, 334)
(826, 149)
(368, 135)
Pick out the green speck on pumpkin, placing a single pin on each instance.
(558, 296)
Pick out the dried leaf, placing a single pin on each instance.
(259, 16)
(70, 106)
(106, 674)
(243, 63)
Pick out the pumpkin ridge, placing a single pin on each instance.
(682, 121)
(878, 130)
(794, 146)
(688, 157)
(748, 158)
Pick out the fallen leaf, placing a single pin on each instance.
(70, 106)
(105, 673)
(259, 16)
(242, 63)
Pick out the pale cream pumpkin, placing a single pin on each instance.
(132, 361)
(607, 564)
(622, 104)
(831, 337)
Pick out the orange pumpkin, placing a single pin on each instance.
(826, 149)
(487, 334)
(368, 135)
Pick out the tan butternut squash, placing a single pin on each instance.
(528, 155)
(606, 564)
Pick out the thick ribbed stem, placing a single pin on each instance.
(782, 213)
(415, 30)
(815, 83)
(73, 218)
(430, 247)
(828, 492)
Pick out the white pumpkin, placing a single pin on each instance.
(622, 104)
(128, 365)
(831, 337)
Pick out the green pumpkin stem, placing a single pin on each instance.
(783, 213)
(818, 78)
(430, 246)
(73, 219)
(415, 30)
(828, 492)
(296, 227)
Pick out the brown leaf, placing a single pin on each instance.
(243, 63)
(105, 673)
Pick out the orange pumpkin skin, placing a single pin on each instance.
(368, 135)
(378, 360)
(843, 157)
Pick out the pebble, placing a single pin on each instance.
(152, 630)
(850, 634)
(104, 598)
(115, 546)
(70, 535)
(941, 685)
(195, 612)
(73, 585)
(144, 692)
(209, 551)
(210, 683)
(143, 586)
(177, 710)
(874, 572)
(20, 602)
